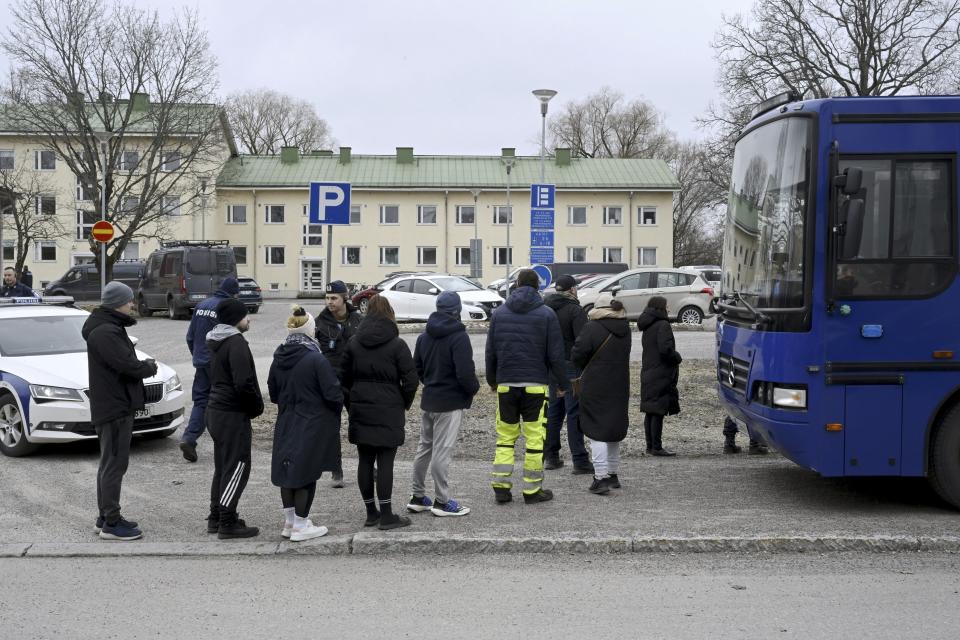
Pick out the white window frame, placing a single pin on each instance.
(606, 216)
(165, 161)
(496, 214)
(421, 207)
(82, 191)
(420, 252)
(237, 259)
(171, 211)
(131, 245)
(344, 250)
(460, 208)
(570, 255)
(83, 226)
(39, 246)
(570, 210)
(38, 159)
(230, 213)
(383, 211)
(306, 235)
(8, 153)
(356, 213)
(460, 253)
(640, 262)
(9, 245)
(640, 215)
(508, 254)
(383, 250)
(270, 209)
(607, 257)
(124, 165)
(39, 204)
(267, 258)
(127, 200)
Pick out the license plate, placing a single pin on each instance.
(143, 413)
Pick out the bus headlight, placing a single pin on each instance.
(790, 398)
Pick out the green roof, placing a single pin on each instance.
(445, 172)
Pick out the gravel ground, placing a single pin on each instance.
(695, 431)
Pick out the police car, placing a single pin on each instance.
(43, 379)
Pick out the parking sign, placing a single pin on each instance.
(329, 203)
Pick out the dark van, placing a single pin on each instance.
(181, 274)
(82, 282)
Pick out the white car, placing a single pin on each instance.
(43, 380)
(414, 297)
(688, 294)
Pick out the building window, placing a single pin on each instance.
(426, 214)
(647, 215)
(273, 214)
(275, 255)
(389, 256)
(613, 254)
(576, 254)
(131, 251)
(85, 222)
(45, 251)
(84, 193)
(576, 215)
(240, 254)
(503, 255)
(8, 250)
(128, 206)
(6, 160)
(350, 256)
(463, 256)
(647, 256)
(355, 214)
(44, 160)
(170, 161)
(313, 235)
(466, 214)
(129, 160)
(389, 214)
(503, 215)
(171, 205)
(47, 205)
(427, 256)
(613, 215)
(236, 214)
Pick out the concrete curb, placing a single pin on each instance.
(377, 543)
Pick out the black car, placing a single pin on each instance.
(250, 293)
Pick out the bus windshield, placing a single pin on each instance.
(763, 256)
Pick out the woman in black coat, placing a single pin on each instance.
(306, 437)
(602, 352)
(381, 380)
(659, 373)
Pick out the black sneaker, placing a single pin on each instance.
(614, 481)
(663, 453)
(393, 521)
(731, 448)
(543, 495)
(98, 527)
(120, 531)
(213, 523)
(189, 451)
(758, 450)
(600, 486)
(583, 469)
(236, 529)
(502, 495)
(553, 462)
(373, 519)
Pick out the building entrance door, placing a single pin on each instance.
(311, 280)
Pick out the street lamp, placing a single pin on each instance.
(103, 137)
(476, 257)
(544, 96)
(509, 162)
(203, 209)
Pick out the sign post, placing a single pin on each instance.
(102, 232)
(329, 205)
(542, 214)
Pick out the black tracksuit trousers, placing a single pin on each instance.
(232, 437)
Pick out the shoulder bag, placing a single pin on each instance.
(577, 383)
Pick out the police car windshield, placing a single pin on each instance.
(41, 336)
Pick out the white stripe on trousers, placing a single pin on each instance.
(232, 487)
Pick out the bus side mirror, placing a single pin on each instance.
(849, 181)
(851, 221)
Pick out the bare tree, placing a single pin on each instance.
(29, 210)
(71, 61)
(697, 207)
(265, 120)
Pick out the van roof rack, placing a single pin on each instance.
(194, 243)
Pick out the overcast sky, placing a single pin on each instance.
(448, 76)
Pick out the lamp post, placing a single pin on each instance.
(104, 138)
(203, 209)
(476, 264)
(544, 96)
(509, 162)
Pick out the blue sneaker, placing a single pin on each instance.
(419, 505)
(100, 520)
(120, 531)
(451, 508)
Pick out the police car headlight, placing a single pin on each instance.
(172, 384)
(46, 393)
(790, 398)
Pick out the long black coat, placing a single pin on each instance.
(381, 378)
(604, 402)
(306, 437)
(660, 368)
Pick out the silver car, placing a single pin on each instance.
(688, 294)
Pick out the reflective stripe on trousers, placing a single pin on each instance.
(534, 434)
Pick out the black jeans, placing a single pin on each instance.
(557, 408)
(115, 437)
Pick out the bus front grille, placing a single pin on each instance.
(732, 373)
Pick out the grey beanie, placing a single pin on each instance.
(116, 294)
(449, 302)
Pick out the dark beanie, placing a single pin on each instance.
(230, 286)
(449, 302)
(565, 283)
(528, 278)
(115, 294)
(337, 286)
(231, 311)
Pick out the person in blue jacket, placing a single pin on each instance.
(203, 321)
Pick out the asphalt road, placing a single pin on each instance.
(491, 596)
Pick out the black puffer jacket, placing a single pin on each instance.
(306, 437)
(660, 369)
(115, 374)
(233, 375)
(605, 400)
(333, 336)
(379, 374)
(571, 317)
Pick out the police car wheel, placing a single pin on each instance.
(13, 440)
(944, 471)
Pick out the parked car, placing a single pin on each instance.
(688, 294)
(43, 380)
(584, 281)
(415, 297)
(82, 282)
(250, 293)
(181, 274)
(362, 297)
(711, 273)
(558, 269)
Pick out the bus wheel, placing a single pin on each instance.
(945, 458)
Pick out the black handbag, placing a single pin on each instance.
(577, 383)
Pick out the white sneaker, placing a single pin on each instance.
(307, 532)
(287, 530)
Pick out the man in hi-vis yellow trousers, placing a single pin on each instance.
(524, 350)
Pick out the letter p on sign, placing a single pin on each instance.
(329, 203)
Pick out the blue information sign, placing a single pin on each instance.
(541, 254)
(541, 238)
(545, 276)
(541, 218)
(329, 203)
(542, 196)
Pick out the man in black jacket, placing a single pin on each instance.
(444, 359)
(13, 289)
(572, 318)
(235, 398)
(116, 392)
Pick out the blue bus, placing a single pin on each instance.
(838, 338)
